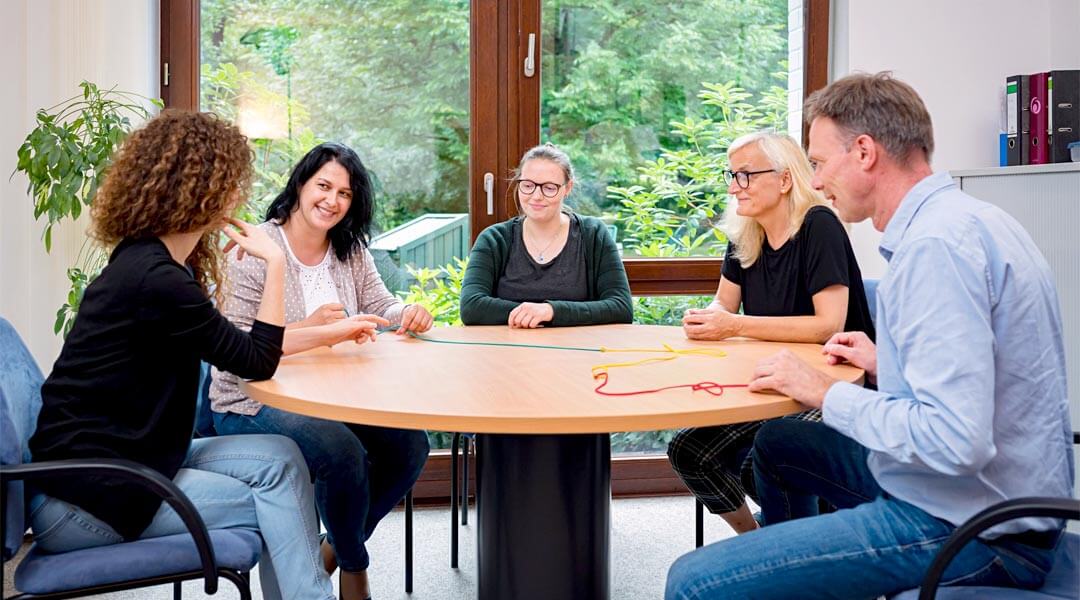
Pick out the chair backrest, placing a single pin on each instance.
(20, 403)
(870, 287)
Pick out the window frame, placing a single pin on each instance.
(505, 108)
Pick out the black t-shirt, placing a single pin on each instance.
(562, 278)
(782, 282)
(125, 383)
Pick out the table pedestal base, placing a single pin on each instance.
(543, 516)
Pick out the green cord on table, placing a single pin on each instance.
(503, 344)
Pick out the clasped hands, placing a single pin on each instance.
(530, 315)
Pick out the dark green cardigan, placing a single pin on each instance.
(609, 291)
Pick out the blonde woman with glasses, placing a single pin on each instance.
(790, 267)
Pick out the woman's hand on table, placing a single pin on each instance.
(415, 318)
(324, 315)
(529, 315)
(360, 329)
(713, 323)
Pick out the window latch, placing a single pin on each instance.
(530, 58)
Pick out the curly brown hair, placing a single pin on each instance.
(179, 173)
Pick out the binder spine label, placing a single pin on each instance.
(1011, 100)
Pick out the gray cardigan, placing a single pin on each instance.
(358, 285)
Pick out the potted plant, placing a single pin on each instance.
(65, 158)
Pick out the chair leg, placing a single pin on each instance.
(242, 581)
(177, 590)
(408, 542)
(454, 501)
(699, 523)
(465, 482)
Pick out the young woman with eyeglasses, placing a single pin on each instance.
(547, 266)
(790, 267)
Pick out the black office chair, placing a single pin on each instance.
(1063, 580)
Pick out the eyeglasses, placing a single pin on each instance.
(743, 177)
(526, 187)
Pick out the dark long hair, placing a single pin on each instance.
(353, 230)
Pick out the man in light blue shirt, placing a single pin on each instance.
(971, 407)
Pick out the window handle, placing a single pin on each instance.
(530, 58)
(489, 189)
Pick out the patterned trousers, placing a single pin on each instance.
(714, 462)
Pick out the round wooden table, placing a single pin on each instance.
(543, 450)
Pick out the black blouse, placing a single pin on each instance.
(125, 383)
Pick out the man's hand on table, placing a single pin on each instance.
(854, 348)
(785, 373)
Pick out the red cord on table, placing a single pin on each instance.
(716, 389)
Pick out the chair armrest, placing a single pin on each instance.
(134, 472)
(1060, 508)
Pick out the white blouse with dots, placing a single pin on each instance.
(315, 281)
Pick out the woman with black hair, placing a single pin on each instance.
(322, 221)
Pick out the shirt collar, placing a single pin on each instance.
(909, 206)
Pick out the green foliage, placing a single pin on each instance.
(645, 442)
(66, 155)
(389, 78)
(666, 310)
(439, 291)
(618, 72)
(224, 89)
(65, 158)
(677, 199)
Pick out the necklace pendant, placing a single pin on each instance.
(540, 258)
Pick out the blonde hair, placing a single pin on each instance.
(784, 154)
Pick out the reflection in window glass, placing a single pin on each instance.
(645, 96)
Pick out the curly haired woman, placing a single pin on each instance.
(125, 382)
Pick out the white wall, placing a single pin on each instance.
(49, 46)
(956, 54)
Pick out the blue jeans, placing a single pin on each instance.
(361, 472)
(258, 482)
(873, 545)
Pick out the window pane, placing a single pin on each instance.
(390, 79)
(645, 96)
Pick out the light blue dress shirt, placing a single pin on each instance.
(972, 406)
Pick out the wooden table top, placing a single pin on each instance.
(415, 384)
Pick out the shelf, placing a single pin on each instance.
(1018, 170)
